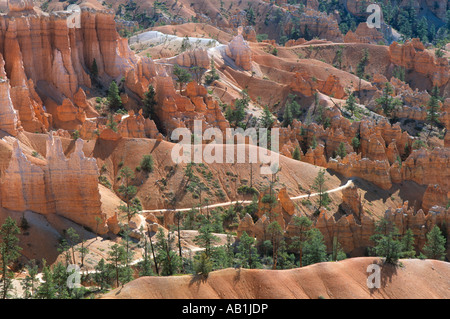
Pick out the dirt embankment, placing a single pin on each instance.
(337, 280)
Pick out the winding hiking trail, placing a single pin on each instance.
(39, 276)
(245, 202)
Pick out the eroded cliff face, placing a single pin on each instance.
(364, 34)
(64, 186)
(8, 115)
(48, 65)
(354, 229)
(413, 56)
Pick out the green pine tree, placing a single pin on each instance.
(319, 186)
(182, 76)
(435, 245)
(247, 254)
(350, 104)
(296, 154)
(149, 103)
(9, 253)
(386, 241)
(302, 226)
(267, 118)
(386, 101)
(102, 275)
(314, 250)
(47, 289)
(341, 151)
(204, 265)
(114, 100)
(408, 250)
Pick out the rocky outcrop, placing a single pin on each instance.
(23, 184)
(318, 24)
(42, 54)
(413, 56)
(354, 234)
(197, 57)
(435, 196)
(8, 115)
(428, 167)
(316, 156)
(132, 126)
(175, 110)
(377, 172)
(364, 34)
(240, 52)
(351, 201)
(64, 186)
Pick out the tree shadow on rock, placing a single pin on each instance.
(387, 272)
(197, 280)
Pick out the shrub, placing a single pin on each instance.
(247, 190)
(147, 163)
(76, 135)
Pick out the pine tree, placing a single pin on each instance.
(389, 247)
(361, 67)
(204, 265)
(72, 239)
(60, 276)
(114, 100)
(117, 258)
(302, 226)
(30, 282)
(145, 265)
(206, 239)
(422, 30)
(102, 275)
(149, 103)
(435, 246)
(356, 143)
(212, 75)
(350, 104)
(276, 237)
(247, 253)
(46, 289)
(127, 191)
(296, 154)
(319, 186)
(386, 243)
(9, 253)
(408, 250)
(314, 142)
(287, 117)
(294, 106)
(386, 101)
(314, 250)
(167, 259)
(250, 14)
(182, 76)
(341, 151)
(267, 118)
